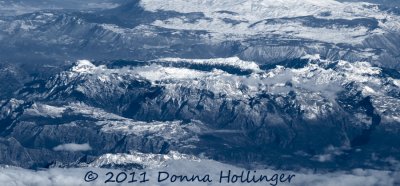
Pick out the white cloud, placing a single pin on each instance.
(75, 176)
(73, 147)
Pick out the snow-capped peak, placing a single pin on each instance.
(83, 66)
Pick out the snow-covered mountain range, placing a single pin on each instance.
(259, 84)
(261, 31)
(196, 106)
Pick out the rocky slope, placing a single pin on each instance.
(310, 111)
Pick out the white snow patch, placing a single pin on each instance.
(166, 130)
(232, 61)
(38, 109)
(368, 90)
(396, 82)
(83, 66)
(312, 57)
(113, 28)
(156, 73)
(148, 160)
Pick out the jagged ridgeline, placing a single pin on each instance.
(309, 112)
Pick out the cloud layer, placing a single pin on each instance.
(357, 177)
